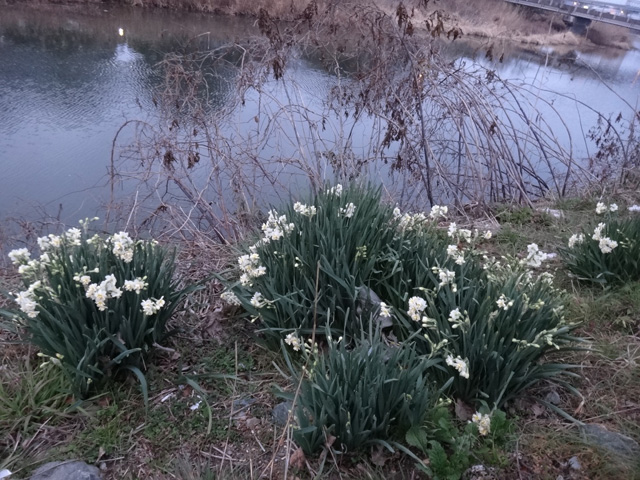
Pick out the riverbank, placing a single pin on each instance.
(230, 423)
(481, 19)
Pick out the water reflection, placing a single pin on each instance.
(69, 81)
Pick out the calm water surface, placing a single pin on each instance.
(69, 81)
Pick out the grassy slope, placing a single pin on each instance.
(225, 358)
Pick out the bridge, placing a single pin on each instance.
(621, 15)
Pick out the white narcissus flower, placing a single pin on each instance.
(576, 239)
(306, 210)
(613, 207)
(385, 311)
(293, 340)
(417, 305)
(135, 285)
(348, 210)
(258, 300)
(147, 307)
(337, 190)
(607, 245)
(455, 315)
(122, 246)
(231, 298)
(74, 236)
(19, 256)
(438, 211)
(597, 232)
(459, 364)
(27, 302)
(151, 306)
(535, 256)
(634, 208)
(483, 422)
(601, 208)
(504, 303)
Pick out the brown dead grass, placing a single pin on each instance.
(488, 19)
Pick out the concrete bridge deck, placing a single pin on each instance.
(623, 16)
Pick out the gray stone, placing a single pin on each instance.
(553, 398)
(243, 404)
(280, 413)
(574, 463)
(553, 212)
(480, 472)
(369, 304)
(614, 442)
(68, 470)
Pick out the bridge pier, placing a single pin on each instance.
(578, 25)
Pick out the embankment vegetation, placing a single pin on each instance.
(489, 19)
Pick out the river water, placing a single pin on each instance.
(69, 80)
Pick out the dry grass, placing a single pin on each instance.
(606, 35)
(493, 19)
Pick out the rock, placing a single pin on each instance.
(553, 213)
(243, 404)
(553, 398)
(598, 435)
(280, 413)
(69, 470)
(574, 463)
(252, 423)
(480, 472)
(369, 304)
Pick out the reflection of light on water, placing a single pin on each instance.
(121, 32)
(125, 54)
